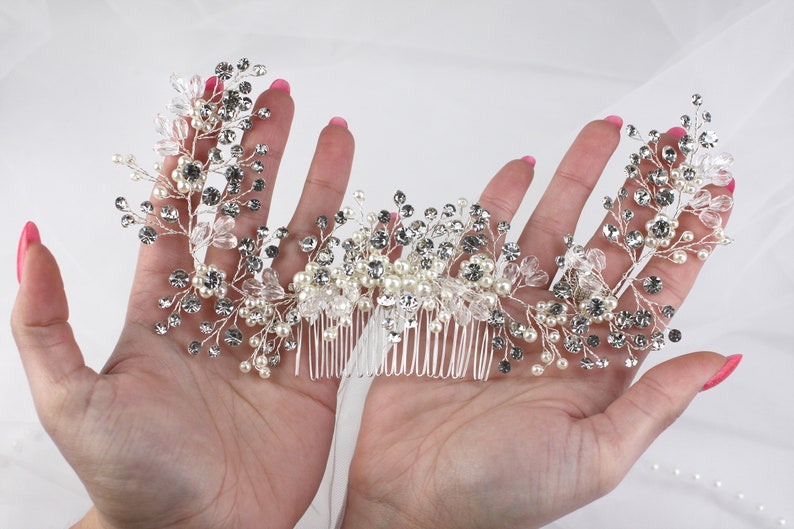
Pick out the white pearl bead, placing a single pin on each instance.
(687, 236)
(160, 192)
(551, 321)
(245, 366)
(444, 317)
(436, 326)
(489, 298)
(282, 329)
(329, 335)
(244, 312)
(254, 341)
(359, 196)
(546, 357)
(260, 361)
(530, 335)
(502, 287)
(562, 363)
(264, 372)
(703, 255)
(486, 282)
(554, 336)
(537, 370)
(679, 257)
(365, 304)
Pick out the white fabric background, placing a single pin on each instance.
(439, 95)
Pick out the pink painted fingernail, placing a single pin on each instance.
(730, 365)
(341, 122)
(530, 160)
(615, 120)
(678, 132)
(731, 185)
(213, 83)
(30, 233)
(281, 84)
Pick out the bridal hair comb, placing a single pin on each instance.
(442, 293)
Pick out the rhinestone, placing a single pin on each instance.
(213, 279)
(504, 367)
(628, 214)
(179, 278)
(246, 246)
(473, 272)
(668, 311)
(632, 131)
(595, 307)
(645, 152)
(686, 144)
(563, 290)
(409, 303)
(274, 360)
(424, 246)
(214, 351)
(379, 239)
(224, 307)
(631, 361)
(643, 318)
(496, 319)
(593, 341)
(674, 335)
(654, 136)
(708, 139)
(290, 344)
(697, 99)
(282, 233)
(307, 244)
(608, 203)
(471, 243)
(601, 363)
(165, 302)
(686, 121)
(573, 343)
(652, 284)
(191, 304)
(516, 353)
(321, 222)
(322, 277)
(127, 220)
(122, 204)
(661, 229)
(580, 324)
(147, 235)
(669, 154)
(161, 328)
(375, 269)
(263, 113)
(406, 210)
(325, 257)
(587, 364)
(206, 327)
(632, 171)
(254, 205)
(194, 348)
(404, 236)
(635, 239)
(657, 341)
(271, 251)
(211, 196)
(510, 251)
(611, 232)
(498, 343)
(169, 213)
(658, 177)
(399, 198)
(642, 197)
(230, 209)
(174, 320)
(664, 197)
(233, 337)
(445, 250)
(624, 320)
(616, 339)
(640, 341)
(191, 171)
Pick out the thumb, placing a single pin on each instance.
(656, 400)
(51, 358)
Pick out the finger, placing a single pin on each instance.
(171, 249)
(273, 133)
(322, 195)
(631, 423)
(52, 360)
(561, 204)
(619, 253)
(504, 193)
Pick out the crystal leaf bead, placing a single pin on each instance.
(700, 200)
(271, 288)
(166, 147)
(721, 203)
(201, 234)
(710, 219)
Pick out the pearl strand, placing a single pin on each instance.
(739, 504)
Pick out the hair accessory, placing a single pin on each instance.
(442, 293)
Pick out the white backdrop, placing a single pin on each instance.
(439, 95)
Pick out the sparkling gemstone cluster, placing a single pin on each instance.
(447, 278)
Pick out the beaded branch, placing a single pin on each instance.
(454, 303)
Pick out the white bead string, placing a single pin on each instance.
(735, 501)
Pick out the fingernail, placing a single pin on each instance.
(730, 365)
(677, 132)
(530, 160)
(30, 233)
(615, 120)
(212, 83)
(341, 122)
(280, 84)
(731, 185)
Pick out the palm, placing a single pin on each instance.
(518, 451)
(159, 438)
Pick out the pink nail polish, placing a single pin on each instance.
(731, 185)
(280, 84)
(730, 365)
(30, 233)
(212, 83)
(615, 120)
(677, 132)
(340, 122)
(530, 160)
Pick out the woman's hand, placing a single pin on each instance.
(519, 451)
(160, 439)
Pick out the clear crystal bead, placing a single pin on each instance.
(708, 139)
(642, 197)
(191, 304)
(214, 351)
(611, 232)
(169, 213)
(308, 244)
(161, 328)
(127, 220)
(635, 239)
(652, 284)
(194, 348)
(147, 235)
